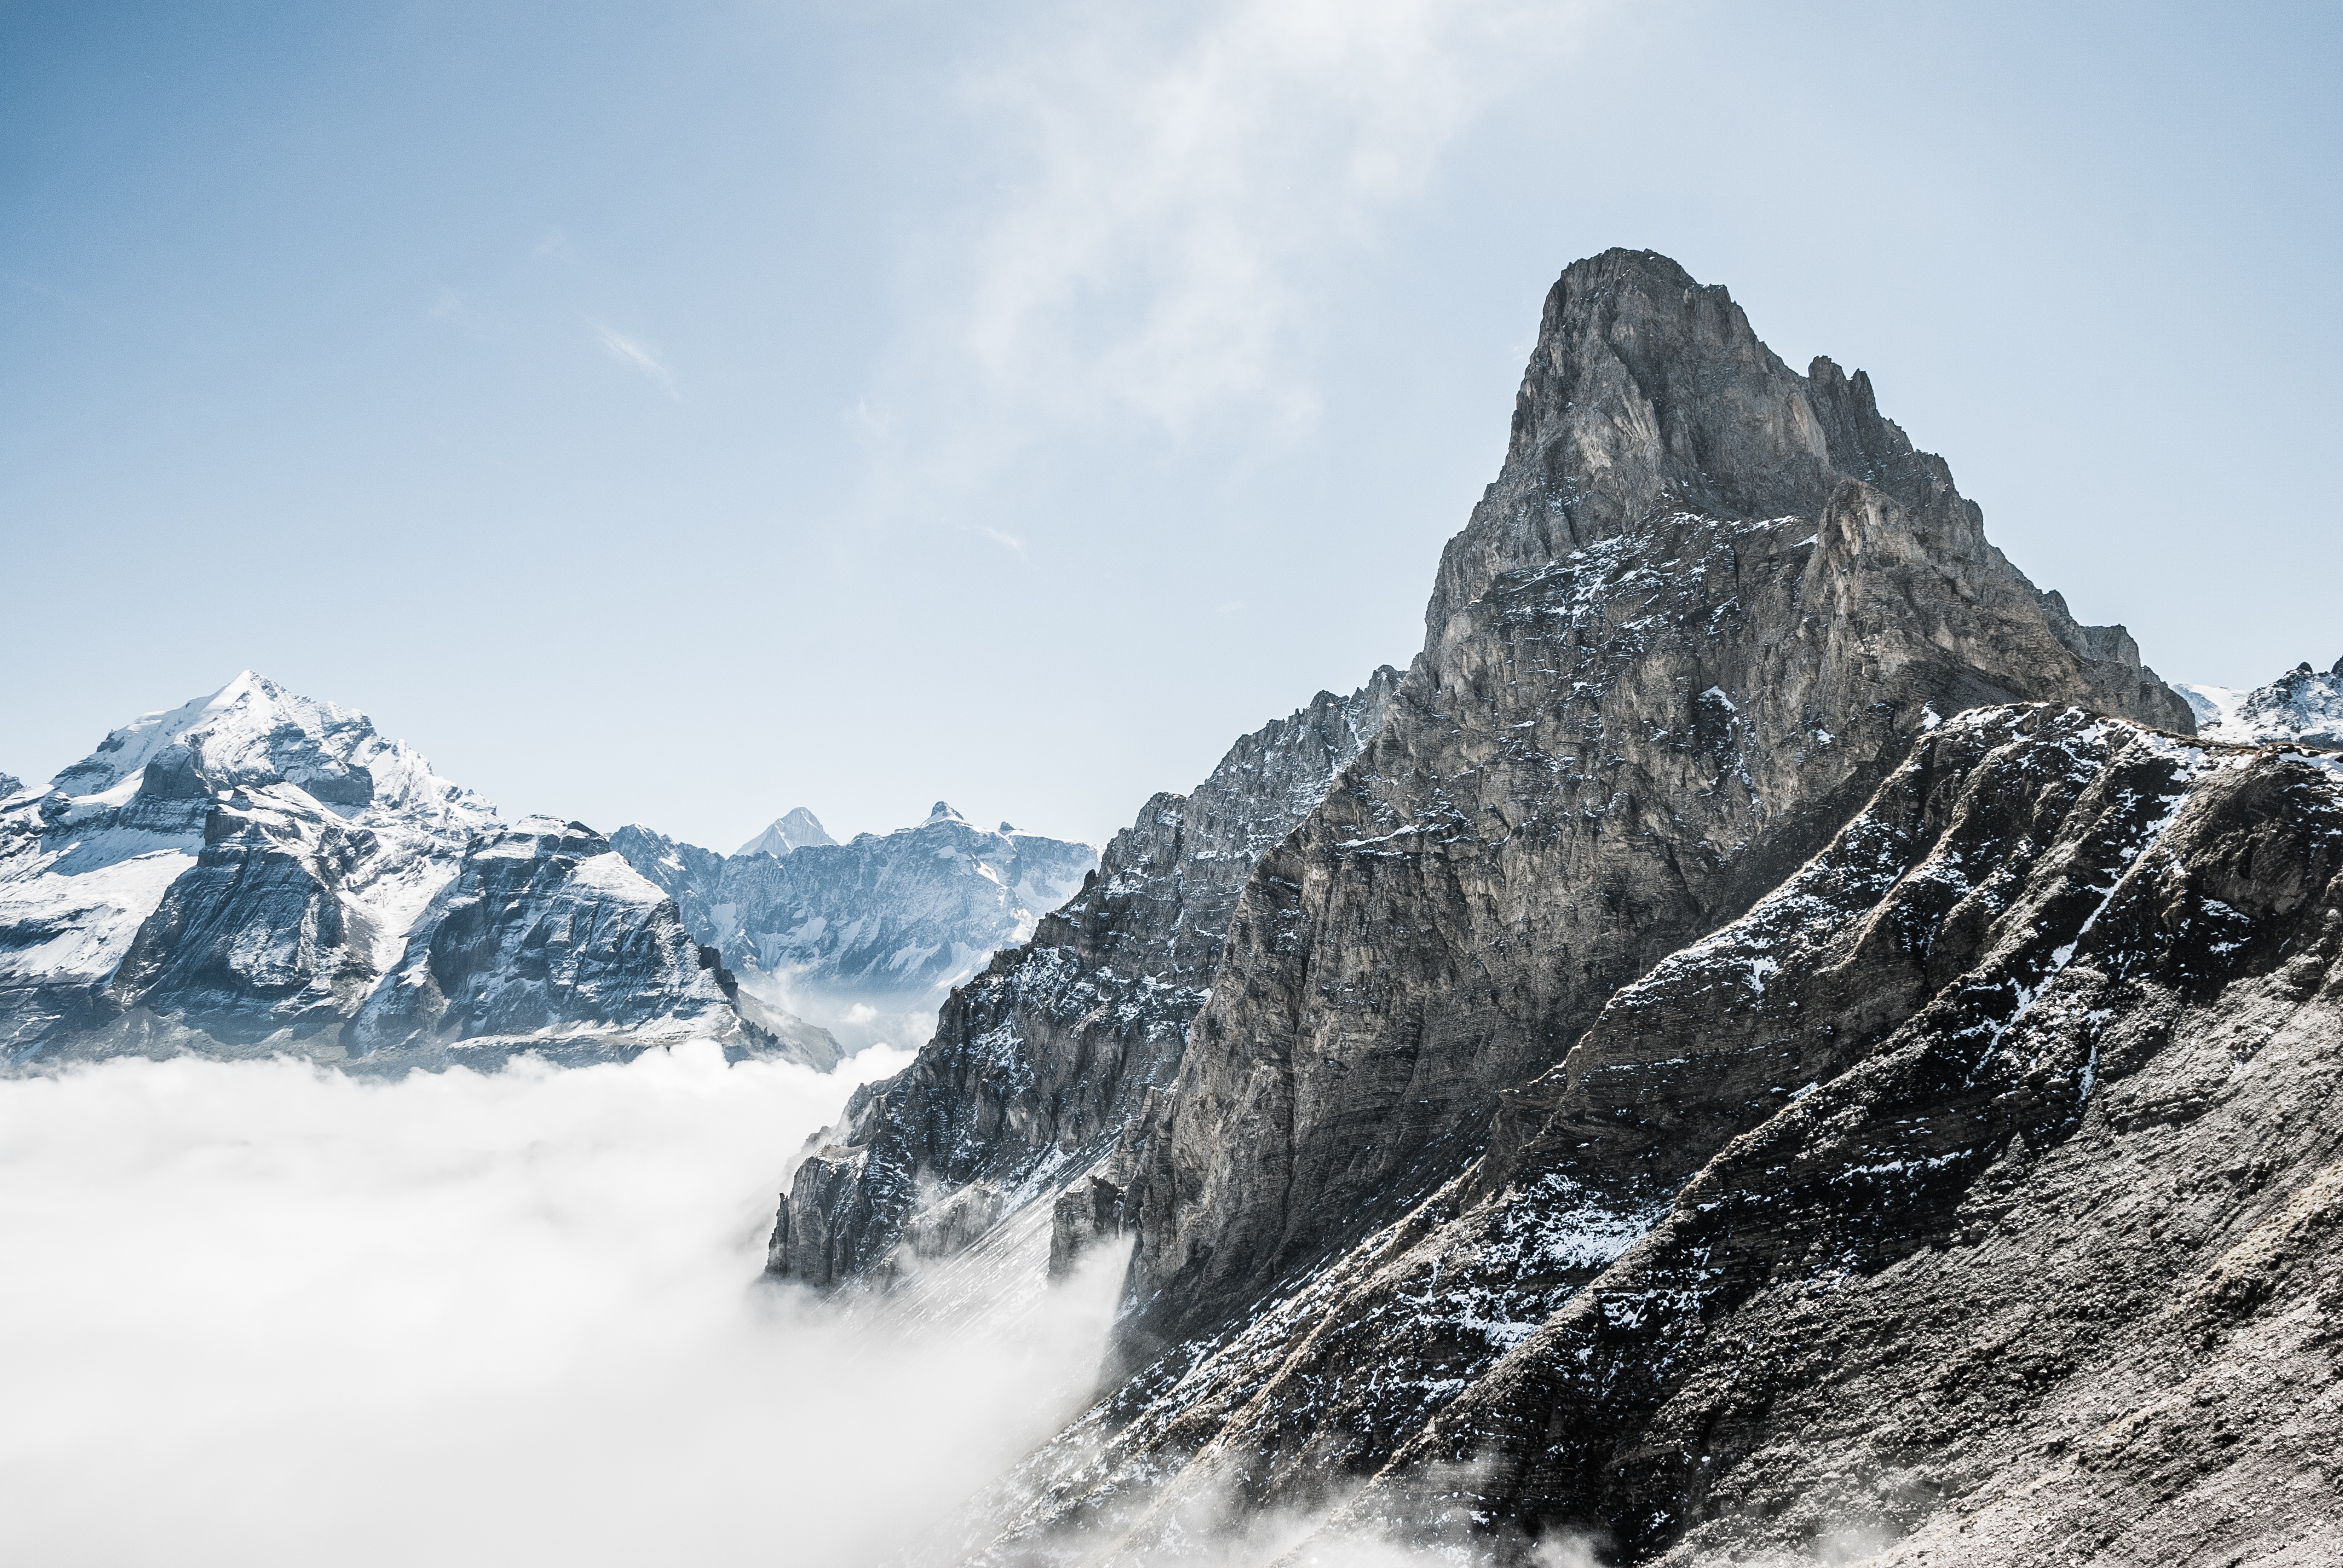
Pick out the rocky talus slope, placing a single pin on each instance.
(255, 872)
(1042, 1061)
(1976, 1198)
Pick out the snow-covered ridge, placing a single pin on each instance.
(256, 871)
(2303, 706)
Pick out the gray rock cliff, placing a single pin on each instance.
(1708, 606)
(1041, 1062)
(1972, 1199)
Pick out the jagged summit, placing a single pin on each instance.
(941, 812)
(252, 733)
(1649, 393)
(256, 871)
(793, 830)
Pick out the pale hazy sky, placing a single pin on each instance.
(677, 413)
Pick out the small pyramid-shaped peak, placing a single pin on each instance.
(795, 830)
(941, 812)
(1008, 827)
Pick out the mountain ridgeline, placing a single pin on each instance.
(255, 874)
(890, 921)
(1759, 917)
(1039, 1065)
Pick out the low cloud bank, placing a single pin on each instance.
(260, 1314)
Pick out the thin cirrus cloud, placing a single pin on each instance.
(627, 351)
(1009, 542)
(1183, 178)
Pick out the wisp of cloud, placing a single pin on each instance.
(262, 1313)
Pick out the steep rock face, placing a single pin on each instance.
(894, 919)
(1974, 1198)
(1042, 1061)
(1705, 609)
(2303, 706)
(237, 876)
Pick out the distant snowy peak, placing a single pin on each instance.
(254, 734)
(256, 871)
(2302, 707)
(906, 913)
(11, 784)
(799, 828)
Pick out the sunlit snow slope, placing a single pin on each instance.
(255, 872)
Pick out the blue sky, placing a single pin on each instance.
(677, 413)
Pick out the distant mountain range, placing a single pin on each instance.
(867, 937)
(255, 872)
(2302, 707)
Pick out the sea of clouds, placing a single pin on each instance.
(264, 1313)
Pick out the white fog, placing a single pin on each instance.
(262, 1313)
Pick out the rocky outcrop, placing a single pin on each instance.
(892, 921)
(1972, 1199)
(1041, 1063)
(256, 873)
(1708, 606)
(2304, 707)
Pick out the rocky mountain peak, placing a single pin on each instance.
(256, 871)
(255, 734)
(1707, 606)
(793, 830)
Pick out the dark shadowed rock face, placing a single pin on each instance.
(1708, 606)
(1977, 1198)
(1042, 1061)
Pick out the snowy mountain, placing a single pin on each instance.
(2302, 707)
(887, 923)
(255, 872)
(794, 831)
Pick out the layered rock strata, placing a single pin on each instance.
(1042, 1061)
